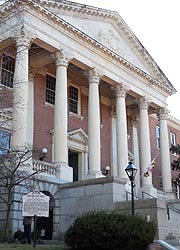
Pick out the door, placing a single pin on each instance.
(73, 162)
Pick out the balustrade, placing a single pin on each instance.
(44, 168)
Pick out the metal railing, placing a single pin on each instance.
(144, 193)
(138, 198)
(173, 209)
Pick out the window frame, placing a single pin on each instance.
(157, 137)
(9, 73)
(78, 101)
(51, 91)
(7, 148)
(171, 136)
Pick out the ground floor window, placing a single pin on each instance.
(4, 141)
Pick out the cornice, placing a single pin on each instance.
(164, 85)
(173, 122)
(77, 8)
(124, 28)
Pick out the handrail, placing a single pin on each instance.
(127, 192)
(173, 209)
(147, 194)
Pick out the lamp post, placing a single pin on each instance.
(131, 171)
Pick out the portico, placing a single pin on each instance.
(117, 90)
(83, 87)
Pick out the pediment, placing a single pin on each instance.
(106, 31)
(78, 136)
(108, 28)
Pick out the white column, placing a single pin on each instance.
(135, 150)
(60, 117)
(121, 130)
(94, 145)
(164, 151)
(30, 110)
(145, 148)
(20, 90)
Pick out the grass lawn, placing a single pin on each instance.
(29, 247)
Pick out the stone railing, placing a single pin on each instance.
(44, 168)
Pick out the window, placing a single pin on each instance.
(158, 137)
(74, 100)
(4, 142)
(7, 70)
(50, 89)
(172, 139)
(160, 183)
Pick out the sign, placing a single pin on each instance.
(35, 203)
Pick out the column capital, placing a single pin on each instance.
(134, 121)
(113, 108)
(163, 113)
(144, 102)
(32, 73)
(94, 75)
(120, 89)
(62, 58)
(24, 38)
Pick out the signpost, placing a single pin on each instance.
(35, 204)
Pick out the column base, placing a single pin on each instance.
(64, 172)
(171, 195)
(148, 192)
(93, 175)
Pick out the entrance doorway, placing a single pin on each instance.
(44, 225)
(73, 162)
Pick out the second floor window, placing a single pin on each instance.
(172, 139)
(74, 99)
(7, 70)
(50, 89)
(158, 137)
(4, 142)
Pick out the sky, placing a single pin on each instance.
(156, 23)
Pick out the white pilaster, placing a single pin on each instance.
(135, 150)
(114, 171)
(121, 130)
(20, 90)
(145, 148)
(60, 117)
(94, 145)
(164, 151)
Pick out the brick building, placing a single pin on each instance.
(77, 81)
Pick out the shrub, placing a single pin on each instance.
(110, 230)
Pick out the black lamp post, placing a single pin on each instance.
(131, 171)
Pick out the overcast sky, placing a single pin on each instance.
(156, 23)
